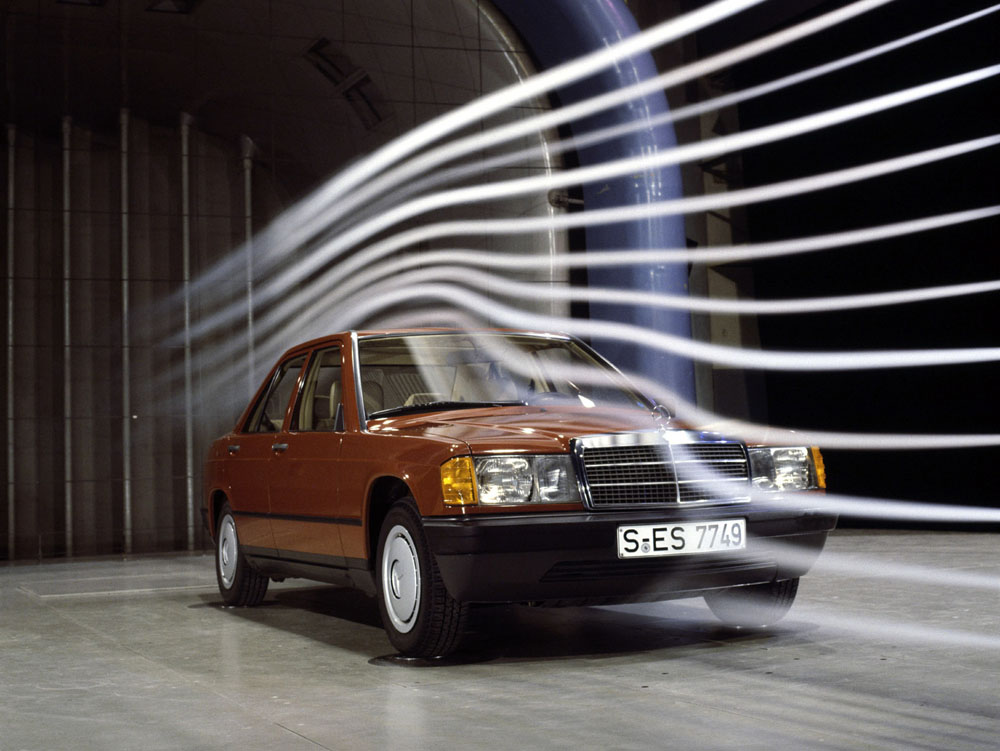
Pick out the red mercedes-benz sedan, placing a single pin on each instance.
(440, 469)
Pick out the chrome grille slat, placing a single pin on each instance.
(715, 481)
(639, 470)
(615, 464)
(630, 484)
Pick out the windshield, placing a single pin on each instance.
(421, 372)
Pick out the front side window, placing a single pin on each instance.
(269, 414)
(320, 405)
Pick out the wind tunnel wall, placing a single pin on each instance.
(100, 454)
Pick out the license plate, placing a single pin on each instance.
(651, 540)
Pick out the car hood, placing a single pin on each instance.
(531, 428)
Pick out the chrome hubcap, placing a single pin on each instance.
(401, 579)
(228, 547)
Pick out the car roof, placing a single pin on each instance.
(373, 333)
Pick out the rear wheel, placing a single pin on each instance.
(754, 606)
(420, 617)
(238, 582)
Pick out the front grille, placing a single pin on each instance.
(661, 469)
(629, 474)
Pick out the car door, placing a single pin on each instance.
(251, 451)
(303, 476)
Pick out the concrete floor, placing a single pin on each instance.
(894, 643)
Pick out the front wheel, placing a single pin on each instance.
(420, 617)
(755, 605)
(238, 582)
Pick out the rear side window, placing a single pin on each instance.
(269, 414)
(320, 405)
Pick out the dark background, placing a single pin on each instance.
(947, 399)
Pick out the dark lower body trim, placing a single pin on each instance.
(348, 521)
(346, 572)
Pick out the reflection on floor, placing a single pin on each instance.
(893, 644)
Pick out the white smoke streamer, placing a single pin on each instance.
(290, 306)
(311, 215)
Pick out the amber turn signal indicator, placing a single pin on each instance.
(820, 467)
(458, 482)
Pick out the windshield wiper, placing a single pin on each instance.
(409, 409)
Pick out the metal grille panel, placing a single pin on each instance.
(648, 470)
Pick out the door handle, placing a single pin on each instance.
(279, 446)
(233, 448)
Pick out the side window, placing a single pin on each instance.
(320, 406)
(270, 411)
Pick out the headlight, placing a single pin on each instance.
(786, 468)
(555, 480)
(506, 480)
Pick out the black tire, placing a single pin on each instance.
(754, 606)
(418, 614)
(239, 583)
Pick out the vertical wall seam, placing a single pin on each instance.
(126, 353)
(247, 147)
(186, 253)
(11, 425)
(67, 132)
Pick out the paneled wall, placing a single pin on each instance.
(101, 457)
(142, 148)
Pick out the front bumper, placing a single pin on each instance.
(571, 558)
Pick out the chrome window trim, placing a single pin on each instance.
(358, 396)
(449, 332)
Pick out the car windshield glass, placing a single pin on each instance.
(423, 372)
